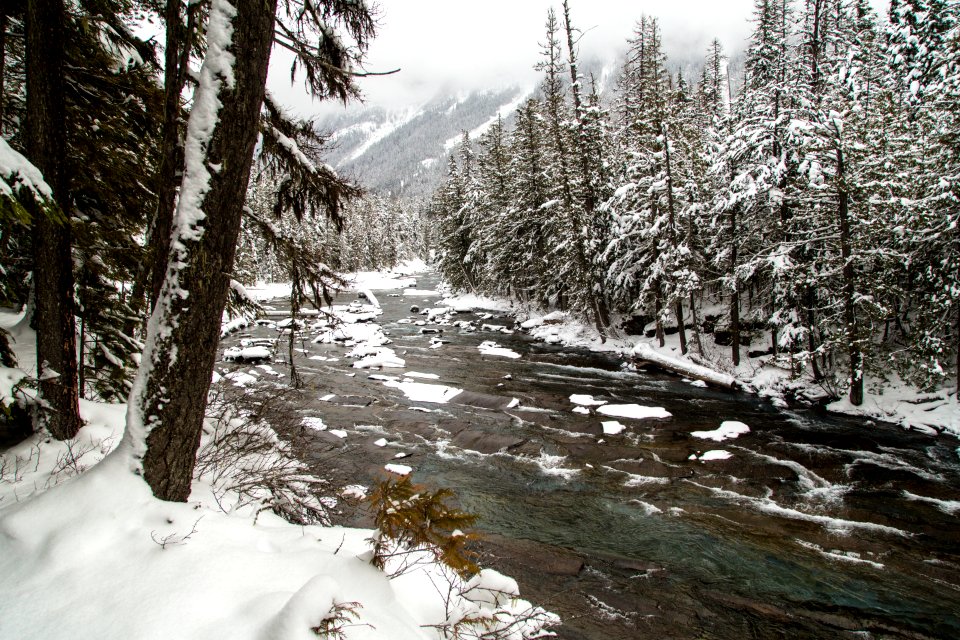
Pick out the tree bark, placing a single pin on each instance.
(52, 256)
(849, 290)
(671, 210)
(698, 343)
(735, 294)
(169, 398)
(179, 41)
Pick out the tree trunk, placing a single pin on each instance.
(658, 308)
(296, 295)
(735, 294)
(681, 327)
(52, 255)
(169, 397)
(849, 290)
(176, 61)
(811, 315)
(671, 210)
(698, 343)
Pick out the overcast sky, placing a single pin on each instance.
(444, 45)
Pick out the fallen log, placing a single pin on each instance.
(643, 354)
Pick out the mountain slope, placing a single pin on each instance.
(404, 152)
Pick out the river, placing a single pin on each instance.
(816, 526)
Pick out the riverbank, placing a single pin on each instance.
(890, 400)
(87, 552)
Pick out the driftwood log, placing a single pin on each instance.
(643, 355)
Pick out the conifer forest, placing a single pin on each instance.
(808, 207)
(479, 320)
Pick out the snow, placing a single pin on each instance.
(340, 433)
(581, 410)
(233, 325)
(240, 378)
(399, 278)
(314, 423)
(491, 348)
(468, 302)
(380, 359)
(16, 172)
(382, 442)
(421, 293)
(586, 400)
(369, 296)
(247, 353)
(715, 454)
(612, 427)
(264, 291)
(423, 392)
(425, 376)
(399, 469)
(634, 411)
(72, 515)
(727, 430)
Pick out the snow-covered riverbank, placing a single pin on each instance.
(891, 400)
(87, 552)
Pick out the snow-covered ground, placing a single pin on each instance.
(86, 551)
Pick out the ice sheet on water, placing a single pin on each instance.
(491, 348)
(425, 376)
(612, 427)
(634, 411)
(586, 400)
(728, 430)
(715, 454)
(423, 392)
(399, 469)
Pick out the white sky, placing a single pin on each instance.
(443, 45)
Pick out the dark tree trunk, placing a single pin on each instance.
(296, 296)
(849, 290)
(810, 298)
(735, 294)
(171, 390)
(52, 257)
(179, 41)
(658, 309)
(671, 210)
(681, 327)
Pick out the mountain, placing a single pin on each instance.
(404, 152)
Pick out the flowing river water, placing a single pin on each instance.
(817, 526)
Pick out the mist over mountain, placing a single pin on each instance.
(404, 151)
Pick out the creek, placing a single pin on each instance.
(815, 526)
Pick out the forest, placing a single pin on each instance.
(133, 171)
(224, 362)
(810, 214)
